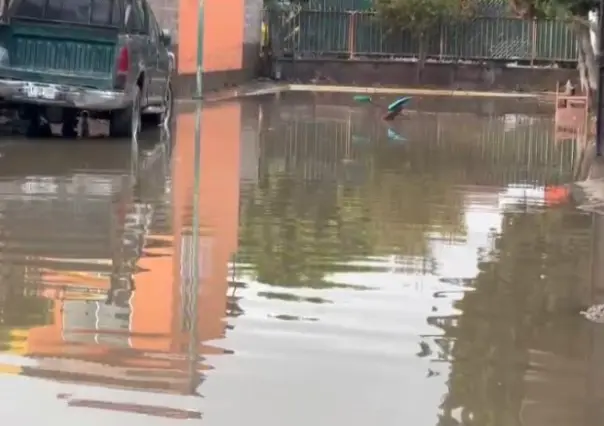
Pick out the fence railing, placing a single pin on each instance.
(350, 34)
(483, 7)
(523, 151)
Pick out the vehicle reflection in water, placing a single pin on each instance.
(97, 287)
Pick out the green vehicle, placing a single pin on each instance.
(62, 61)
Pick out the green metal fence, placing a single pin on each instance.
(325, 33)
(338, 4)
(484, 7)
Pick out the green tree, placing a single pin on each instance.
(421, 18)
(576, 12)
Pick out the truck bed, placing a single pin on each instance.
(58, 54)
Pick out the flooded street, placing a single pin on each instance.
(430, 272)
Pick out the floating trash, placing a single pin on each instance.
(399, 104)
(594, 313)
(393, 136)
(392, 110)
(363, 99)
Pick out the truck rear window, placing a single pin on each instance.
(95, 12)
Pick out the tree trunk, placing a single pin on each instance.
(587, 59)
(583, 80)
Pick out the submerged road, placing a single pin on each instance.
(345, 276)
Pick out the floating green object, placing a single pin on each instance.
(399, 104)
(362, 98)
(394, 106)
(392, 111)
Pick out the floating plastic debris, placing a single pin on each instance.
(594, 313)
(392, 110)
(392, 135)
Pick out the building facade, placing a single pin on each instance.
(231, 39)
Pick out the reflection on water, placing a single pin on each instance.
(451, 268)
(345, 277)
(89, 298)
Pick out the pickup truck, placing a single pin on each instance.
(62, 61)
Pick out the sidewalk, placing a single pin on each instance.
(257, 88)
(416, 92)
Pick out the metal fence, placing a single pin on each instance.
(349, 34)
(483, 7)
(508, 149)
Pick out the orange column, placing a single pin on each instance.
(223, 35)
(219, 208)
(155, 300)
(48, 340)
(218, 203)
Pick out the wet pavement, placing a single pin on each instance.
(431, 272)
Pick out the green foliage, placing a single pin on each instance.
(420, 16)
(553, 8)
(285, 4)
(574, 7)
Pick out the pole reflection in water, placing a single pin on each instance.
(189, 297)
(191, 280)
(208, 197)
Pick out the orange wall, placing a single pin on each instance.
(223, 35)
(154, 301)
(156, 317)
(219, 202)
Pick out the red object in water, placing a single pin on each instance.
(556, 195)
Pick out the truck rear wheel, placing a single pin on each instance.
(70, 122)
(126, 122)
(163, 118)
(37, 125)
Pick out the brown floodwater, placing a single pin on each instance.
(427, 272)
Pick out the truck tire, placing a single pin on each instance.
(164, 118)
(123, 123)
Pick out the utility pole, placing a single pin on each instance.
(600, 99)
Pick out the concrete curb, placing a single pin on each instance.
(268, 88)
(416, 92)
(248, 90)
